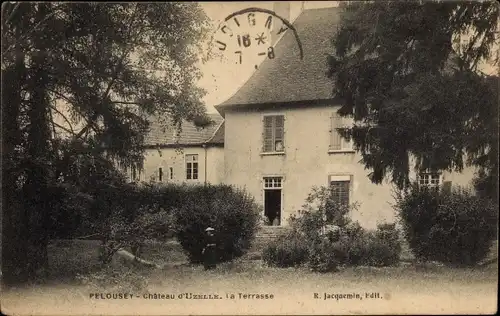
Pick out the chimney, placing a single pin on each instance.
(282, 9)
(288, 10)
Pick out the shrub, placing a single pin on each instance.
(454, 227)
(379, 252)
(325, 256)
(384, 248)
(286, 251)
(231, 212)
(125, 215)
(357, 246)
(118, 232)
(327, 250)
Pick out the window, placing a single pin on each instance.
(340, 189)
(273, 182)
(171, 171)
(192, 167)
(429, 179)
(160, 174)
(337, 142)
(135, 174)
(274, 133)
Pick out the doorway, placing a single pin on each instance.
(272, 206)
(273, 200)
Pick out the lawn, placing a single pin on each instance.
(406, 289)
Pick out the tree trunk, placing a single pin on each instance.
(14, 254)
(128, 257)
(35, 189)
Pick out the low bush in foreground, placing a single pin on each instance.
(231, 212)
(454, 227)
(381, 247)
(325, 256)
(286, 251)
(324, 237)
(161, 212)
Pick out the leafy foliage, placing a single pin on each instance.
(408, 73)
(289, 250)
(325, 256)
(101, 61)
(231, 212)
(128, 215)
(381, 247)
(454, 227)
(324, 237)
(82, 80)
(320, 209)
(122, 233)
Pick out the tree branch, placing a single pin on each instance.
(12, 12)
(113, 79)
(63, 128)
(67, 99)
(35, 27)
(125, 102)
(65, 118)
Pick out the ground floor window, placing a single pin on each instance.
(429, 179)
(341, 189)
(191, 167)
(135, 174)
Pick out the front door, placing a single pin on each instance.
(272, 206)
(272, 200)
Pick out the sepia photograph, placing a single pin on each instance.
(250, 158)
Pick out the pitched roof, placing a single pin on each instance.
(165, 134)
(287, 78)
(218, 137)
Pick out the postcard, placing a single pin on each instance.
(249, 158)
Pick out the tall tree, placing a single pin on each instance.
(409, 73)
(80, 81)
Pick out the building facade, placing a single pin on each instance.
(195, 155)
(287, 151)
(281, 138)
(277, 137)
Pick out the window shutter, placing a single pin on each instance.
(336, 140)
(340, 191)
(268, 134)
(346, 121)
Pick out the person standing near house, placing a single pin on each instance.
(210, 251)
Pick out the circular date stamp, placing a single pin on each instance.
(250, 34)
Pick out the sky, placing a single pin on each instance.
(223, 76)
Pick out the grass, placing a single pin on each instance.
(70, 257)
(404, 289)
